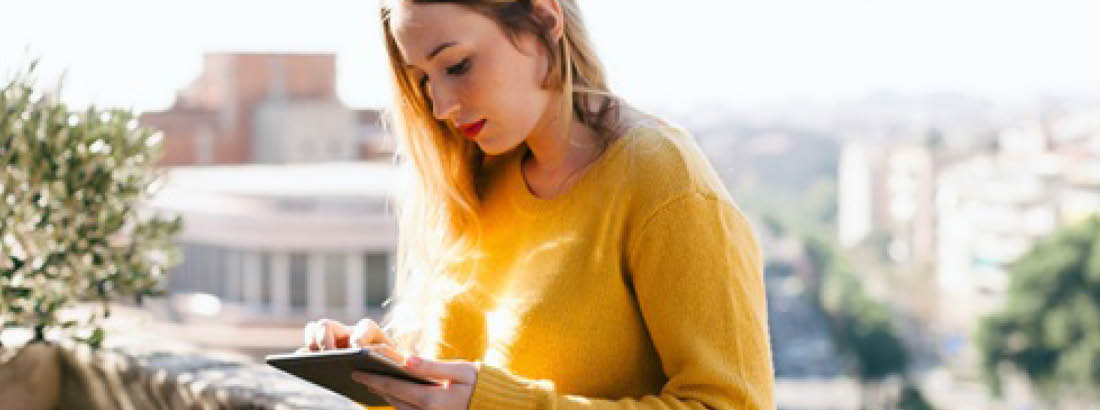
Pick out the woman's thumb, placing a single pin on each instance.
(453, 371)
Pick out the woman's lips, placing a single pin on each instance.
(471, 130)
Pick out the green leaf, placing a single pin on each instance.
(95, 340)
(16, 292)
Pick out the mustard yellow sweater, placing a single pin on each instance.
(640, 287)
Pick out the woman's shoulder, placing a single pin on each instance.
(664, 161)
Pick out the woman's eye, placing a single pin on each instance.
(423, 82)
(460, 68)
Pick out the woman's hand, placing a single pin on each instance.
(326, 334)
(457, 385)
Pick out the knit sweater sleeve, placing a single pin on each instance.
(697, 273)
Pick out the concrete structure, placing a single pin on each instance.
(910, 187)
(965, 215)
(995, 206)
(888, 188)
(268, 108)
(990, 212)
(285, 242)
(855, 198)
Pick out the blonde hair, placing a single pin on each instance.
(438, 226)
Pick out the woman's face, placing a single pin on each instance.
(475, 77)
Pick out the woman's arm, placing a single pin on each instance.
(697, 272)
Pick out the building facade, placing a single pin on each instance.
(285, 243)
(888, 189)
(266, 108)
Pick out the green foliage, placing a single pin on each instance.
(809, 212)
(912, 399)
(70, 228)
(820, 201)
(861, 325)
(1050, 325)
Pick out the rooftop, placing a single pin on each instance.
(308, 180)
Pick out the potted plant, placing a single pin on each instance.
(71, 230)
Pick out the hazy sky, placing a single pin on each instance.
(659, 53)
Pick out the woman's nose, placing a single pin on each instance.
(444, 105)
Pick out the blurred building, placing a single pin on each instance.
(285, 242)
(995, 206)
(1077, 139)
(991, 211)
(266, 108)
(1081, 194)
(855, 204)
(887, 188)
(965, 215)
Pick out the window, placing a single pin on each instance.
(235, 272)
(180, 277)
(204, 275)
(265, 279)
(219, 272)
(377, 282)
(336, 282)
(299, 281)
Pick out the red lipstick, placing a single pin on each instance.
(471, 130)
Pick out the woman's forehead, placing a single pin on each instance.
(418, 29)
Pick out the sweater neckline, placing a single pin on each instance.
(528, 202)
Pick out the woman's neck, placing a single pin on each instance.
(553, 152)
(557, 154)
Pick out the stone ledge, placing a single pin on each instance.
(119, 379)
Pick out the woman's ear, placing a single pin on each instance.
(549, 11)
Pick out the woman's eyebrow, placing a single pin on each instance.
(435, 51)
(439, 49)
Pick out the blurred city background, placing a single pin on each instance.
(902, 162)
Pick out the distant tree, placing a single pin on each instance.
(71, 226)
(1049, 327)
(820, 202)
(775, 225)
(912, 399)
(861, 326)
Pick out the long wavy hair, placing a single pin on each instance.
(438, 199)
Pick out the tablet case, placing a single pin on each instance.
(332, 370)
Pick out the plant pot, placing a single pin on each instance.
(31, 378)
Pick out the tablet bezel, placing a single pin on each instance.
(332, 370)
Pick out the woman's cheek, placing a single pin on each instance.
(481, 93)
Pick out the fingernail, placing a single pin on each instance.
(412, 361)
(361, 377)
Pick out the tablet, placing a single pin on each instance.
(332, 370)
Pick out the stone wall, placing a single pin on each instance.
(121, 379)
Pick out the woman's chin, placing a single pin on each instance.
(493, 147)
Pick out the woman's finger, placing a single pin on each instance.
(367, 332)
(309, 336)
(411, 393)
(398, 404)
(455, 371)
(389, 352)
(334, 335)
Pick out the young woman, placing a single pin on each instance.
(558, 249)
